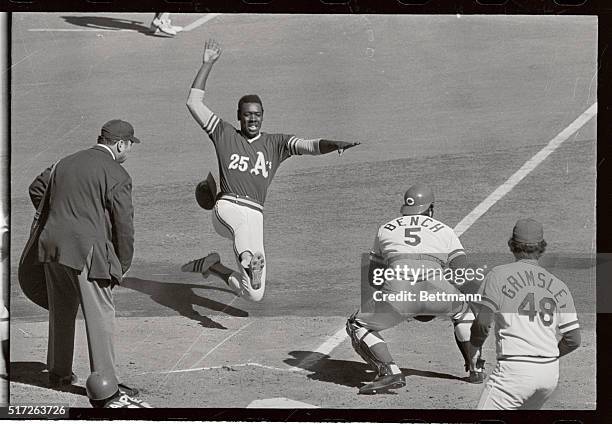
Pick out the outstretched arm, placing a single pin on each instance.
(299, 146)
(195, 101)
(327, 146)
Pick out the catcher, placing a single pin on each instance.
(248, 160)
(424, 245)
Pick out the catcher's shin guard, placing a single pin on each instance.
(363, 340)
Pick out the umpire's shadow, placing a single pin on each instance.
(181, 298)
(105, 22)
(347, 373)
(35, 374)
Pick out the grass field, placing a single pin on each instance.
(458, 103)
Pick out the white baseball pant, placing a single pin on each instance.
(244, 226)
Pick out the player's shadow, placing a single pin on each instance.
(181, 298)
(104, 22)
(35, 374)
(347, 373)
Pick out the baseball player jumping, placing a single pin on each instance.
(419, 242)
(529, 306)
(248, 160)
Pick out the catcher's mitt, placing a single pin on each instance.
(206, 192)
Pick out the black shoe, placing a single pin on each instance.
(130, 391)
(382, 383)
(120, 400)
(125, 401)
(57, 381)
(256, 267)
(478, 375)
(202, 265)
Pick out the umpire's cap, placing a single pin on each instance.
(417, 199)
(116, 129)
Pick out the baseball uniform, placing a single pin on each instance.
(422, 244)
(248, 160)
(246, 168)
(417, 249)
(531, 306)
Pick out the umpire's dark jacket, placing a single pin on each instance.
(90, 208)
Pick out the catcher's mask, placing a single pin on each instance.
(417, 199)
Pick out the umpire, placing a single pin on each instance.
(86, 246)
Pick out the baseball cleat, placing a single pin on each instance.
(159, 27)
(58, 382)
(121, 400)
(476, 377)
(382, 383)
(256, 267)
(128, 390)
(167, 22)
(202, 265)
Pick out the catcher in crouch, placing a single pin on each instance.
(248, 160)
(425, 247)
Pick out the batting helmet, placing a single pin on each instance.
(417, 199)
(206, 192)
(101, 386)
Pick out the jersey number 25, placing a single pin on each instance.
(241, 163)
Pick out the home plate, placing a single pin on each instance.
(279, 403)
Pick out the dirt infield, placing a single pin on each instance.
(431, 99)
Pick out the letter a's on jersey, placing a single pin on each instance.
(247, 166)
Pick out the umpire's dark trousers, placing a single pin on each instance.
(67, 289)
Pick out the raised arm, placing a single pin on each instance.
(195, 101)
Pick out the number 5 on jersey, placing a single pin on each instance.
(412, 239)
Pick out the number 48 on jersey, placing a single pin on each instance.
(546, 309)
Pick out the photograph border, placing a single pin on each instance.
(604, 162)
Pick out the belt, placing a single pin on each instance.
(529, 358)
(241, 200)
(415, 257)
